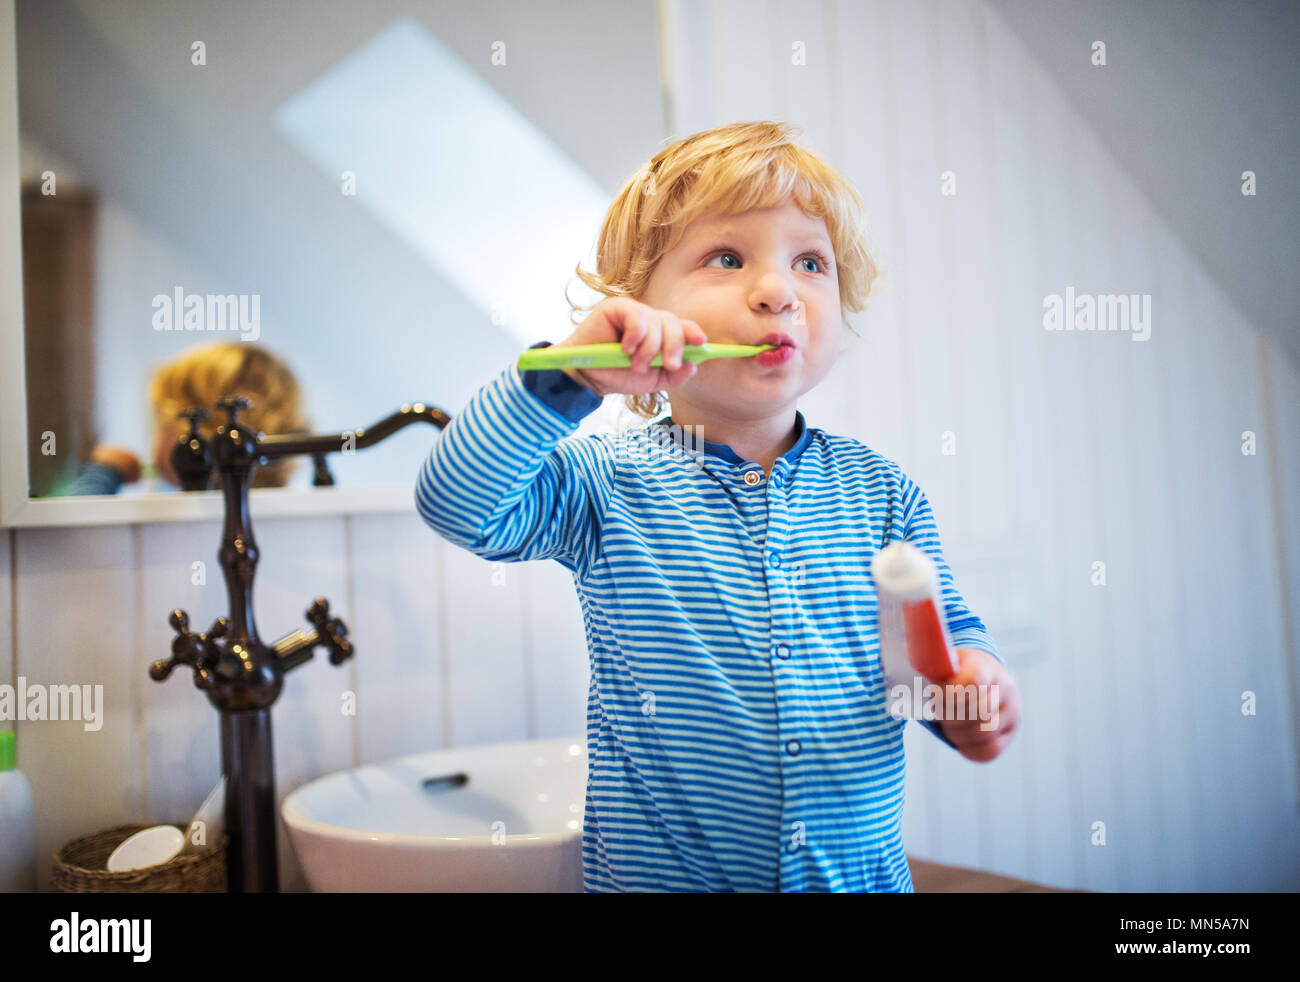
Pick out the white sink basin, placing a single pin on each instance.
(515, 825)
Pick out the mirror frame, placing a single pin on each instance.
(17, 510)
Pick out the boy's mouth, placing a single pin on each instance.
(777, 338)
(779, 355)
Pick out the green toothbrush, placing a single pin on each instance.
(612, 355)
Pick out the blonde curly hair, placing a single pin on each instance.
(731, 169)
(206, 373)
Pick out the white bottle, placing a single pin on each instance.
(17, 824)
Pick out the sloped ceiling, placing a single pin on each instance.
(1193, 93)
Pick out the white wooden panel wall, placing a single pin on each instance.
(1283, 387)
(1071, 448)
(75, 611)
(401, 638)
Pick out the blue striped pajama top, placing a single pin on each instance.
(737, 731)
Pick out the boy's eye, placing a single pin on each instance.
(823, 264)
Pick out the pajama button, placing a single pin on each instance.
(752, 477)
(775, 560)
(783, 651)
(792, 748)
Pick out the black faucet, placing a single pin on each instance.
(241, 675)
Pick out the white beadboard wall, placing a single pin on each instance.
(1071, 448)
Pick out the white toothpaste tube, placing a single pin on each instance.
(914, 639)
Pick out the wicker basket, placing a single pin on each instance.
(79, 867)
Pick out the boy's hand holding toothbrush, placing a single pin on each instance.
(642, 332)
(627, 346)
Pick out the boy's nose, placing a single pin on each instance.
(774, 294)
(777, 306)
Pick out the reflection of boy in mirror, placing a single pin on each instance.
(200, 377)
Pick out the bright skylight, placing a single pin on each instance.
(455, 171)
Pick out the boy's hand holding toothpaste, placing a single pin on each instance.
(973, 698)
(973, 738)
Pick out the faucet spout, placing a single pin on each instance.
(318, 444)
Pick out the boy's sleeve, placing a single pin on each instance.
(499, 482)
(95, 478)
(965, 628)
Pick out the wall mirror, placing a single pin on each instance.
(341, 207)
